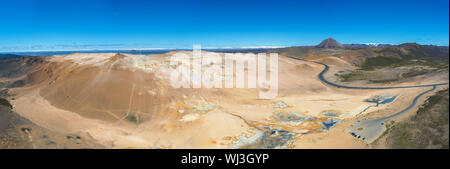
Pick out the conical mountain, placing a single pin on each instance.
(329, 43)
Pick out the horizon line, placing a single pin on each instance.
(190, 48)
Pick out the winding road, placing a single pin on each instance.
(370, 130)
(325, 70)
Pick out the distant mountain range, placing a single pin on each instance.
(331, 43)
(367, 45)
(362, 54)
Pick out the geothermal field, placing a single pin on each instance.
(116, 100)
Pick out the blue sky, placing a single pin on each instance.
(99, 24)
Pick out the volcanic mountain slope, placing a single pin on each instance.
(14, 71)
(126, 101)
(105, 89)
(6, 56)
(330, 43)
